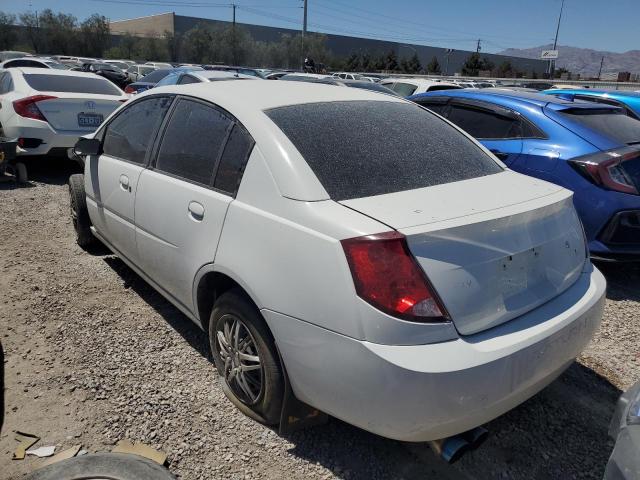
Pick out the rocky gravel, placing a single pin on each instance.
(94, 355)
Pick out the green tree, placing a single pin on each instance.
(381, 62)
(198, 43)
(127, 45)
(353, 63)
(434, 66)
(59, 31)
(414, 65)
(96, 36)
(7, 30)
(474, 64)
(29, 21)
(172, 44)
(391, 61)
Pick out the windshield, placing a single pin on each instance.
(105, 66)
(71, 84)
(364, 148)
(612, 123)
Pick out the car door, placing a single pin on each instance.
(497, 128)
(183, 197)
(126, 142)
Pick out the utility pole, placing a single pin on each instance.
(233, 35)
(600, 71)
(552, 63)
(304, 32)
(478, 48)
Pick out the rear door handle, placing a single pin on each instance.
(196, 211)
(124, 183)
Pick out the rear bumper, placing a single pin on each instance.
(51, 139)
(426, 392)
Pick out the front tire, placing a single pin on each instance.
(79, 212)
(246, 357)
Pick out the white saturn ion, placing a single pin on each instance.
(352, 246)
(47, 110)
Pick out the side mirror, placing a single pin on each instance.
(87, 146)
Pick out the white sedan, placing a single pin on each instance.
(32, 62)
(48, 110)
(371, 253)
(412, 86)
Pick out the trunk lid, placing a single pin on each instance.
(494, 247)
(78, 112)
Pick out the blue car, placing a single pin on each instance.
(627, 100)
(589, 148)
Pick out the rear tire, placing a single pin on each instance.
(79, 212)
(21, 172)
(246, 357)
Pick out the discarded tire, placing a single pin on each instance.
(114, 466)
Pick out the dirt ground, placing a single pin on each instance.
(94, 355)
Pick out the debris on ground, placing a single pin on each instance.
(26, 440)
(63, 455)
(125, 446)
(42, 451)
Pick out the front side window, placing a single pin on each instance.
(192, 141)
(364, 148)
(131, 133)
(484, 124)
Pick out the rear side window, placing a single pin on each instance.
(71, 84)
(130, 134)
(6, 83)
(188, 79)
(192, 142)
(439, 107)
(612, 123)
(155, 76)
(365, 148)
(404, 89)
(234, 159)
(483, 124)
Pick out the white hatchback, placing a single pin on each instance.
(48, 110)
(353, 246)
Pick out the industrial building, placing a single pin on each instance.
(451, 61)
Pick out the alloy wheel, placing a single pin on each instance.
(242, 367)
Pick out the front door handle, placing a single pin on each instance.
(124, 183)
(196, 211)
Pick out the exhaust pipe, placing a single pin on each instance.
(453, 448)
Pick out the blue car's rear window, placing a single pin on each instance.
(614, 124)
(365, 148)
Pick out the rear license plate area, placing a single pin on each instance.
(90, 119)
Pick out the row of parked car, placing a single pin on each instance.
(248, 203)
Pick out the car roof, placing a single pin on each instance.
(417, 81)
(497, 94)
(31, 59)
(590, 91)
(209, 74)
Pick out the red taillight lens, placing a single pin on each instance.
(129, 89)
(387, 276)
(607, 169)
(26, 107)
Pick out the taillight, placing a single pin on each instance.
(387, 276)
(129, 89)
(607, 169)
(26, 107)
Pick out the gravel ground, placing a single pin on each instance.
(94, 355)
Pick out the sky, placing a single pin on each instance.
(457, 24)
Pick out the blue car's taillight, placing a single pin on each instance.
(617, 169)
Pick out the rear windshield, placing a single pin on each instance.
(612, 123)
(365, 148)
(155, 77)
(71, 84)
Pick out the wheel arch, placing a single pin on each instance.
(212, 281)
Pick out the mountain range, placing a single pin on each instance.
(584, 60)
